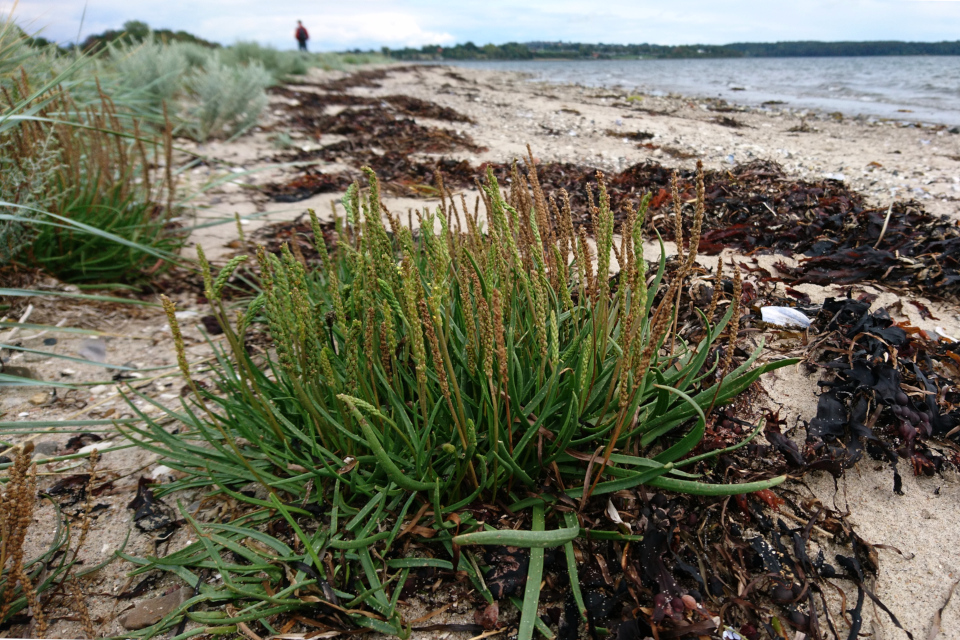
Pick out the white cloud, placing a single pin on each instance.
(398, 23)
(380, 22)
(392, 29)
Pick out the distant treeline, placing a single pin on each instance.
(573, 50)
(812, 48)
(137, 31)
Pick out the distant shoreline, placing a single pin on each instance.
(587, 51)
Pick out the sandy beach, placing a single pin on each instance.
(885, 161)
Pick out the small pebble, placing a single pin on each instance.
(46, 448)
(95, 350)
(39, 398)
(160, 471)
(150, 612)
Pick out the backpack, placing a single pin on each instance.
(302, 33)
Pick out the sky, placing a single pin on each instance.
(371, 24)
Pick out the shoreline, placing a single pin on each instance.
(882, 159)
(883, 110)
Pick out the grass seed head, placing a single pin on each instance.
(240, 234)
(717, 289)
(225, 274)
(439, 368)
(171, 311)
(498, 337)
(18, 499)
(734, 326)
(677, 214)
(697, 220)
(205, 271)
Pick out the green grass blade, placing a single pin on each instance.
(30, 293)
(51, 328)
(118, 367)
(526, 539)
(571, 520)
(703, 489)
(531, 592)
(7, 380)
(85, 228)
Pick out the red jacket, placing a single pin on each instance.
(301, 33)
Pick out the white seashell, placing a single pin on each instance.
(784, 317)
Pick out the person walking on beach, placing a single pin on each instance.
(302, 36)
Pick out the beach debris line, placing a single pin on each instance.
(313, 101)
(368, 78)
(376, 132)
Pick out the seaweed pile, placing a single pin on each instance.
(636, 136)
(369, 78)
(315, 102)
(382, 127)
(754, 207)
(902, 247)
(379, 133)
(692, 567)
(888, 389)
(310, 182)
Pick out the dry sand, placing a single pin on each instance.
(561, 123)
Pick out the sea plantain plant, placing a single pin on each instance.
(420, 372)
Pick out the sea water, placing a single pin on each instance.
(911, 88)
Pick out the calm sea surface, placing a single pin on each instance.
(913, 88)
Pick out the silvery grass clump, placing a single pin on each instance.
(152, 67)
(207, 93)
(226, 100)
(431, 369)
(24, 181)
